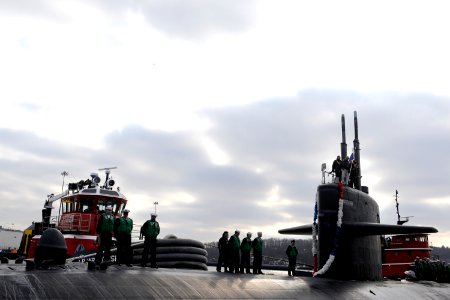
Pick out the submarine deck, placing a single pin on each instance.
(74, 281)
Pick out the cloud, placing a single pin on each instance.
(193, 19)
(196, 19)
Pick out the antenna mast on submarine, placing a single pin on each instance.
(344, 143)
(356, 150)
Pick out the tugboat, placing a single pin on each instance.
(80, 207)
(400, 251)
(72, 233)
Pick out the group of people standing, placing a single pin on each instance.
(346, 170)
(234, 254)
(121, 228)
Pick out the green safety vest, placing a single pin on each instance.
(125, 226)
(236, 242)
(258, 244)
(152, 229)
(246, 244)
(293, 251)
(107, 223)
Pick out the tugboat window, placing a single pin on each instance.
(102, 205)
(86, 205)
(67, 206)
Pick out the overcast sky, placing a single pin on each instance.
(223, 111)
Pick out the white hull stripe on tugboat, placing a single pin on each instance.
(80, 237)
(74, 236)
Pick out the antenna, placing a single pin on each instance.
(64, 174)
(107, 171)
(344, 143)
(357, 152)
(405, 219)
(396, 204)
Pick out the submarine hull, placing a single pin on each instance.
(75, 282)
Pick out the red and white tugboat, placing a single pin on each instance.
(80, 207)
(400, 251)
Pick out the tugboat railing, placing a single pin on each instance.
(76, 222)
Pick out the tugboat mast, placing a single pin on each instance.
(405, 219)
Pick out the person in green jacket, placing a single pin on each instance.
(246, 247)
(150, 231)
(257, 246)
(122, 231)
(234, 245)
(105, 226)
(292, 253)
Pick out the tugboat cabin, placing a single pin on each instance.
(79, 212)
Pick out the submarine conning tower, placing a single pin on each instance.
(357, 256)
(347, 226)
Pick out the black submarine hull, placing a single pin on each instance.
(75, 282)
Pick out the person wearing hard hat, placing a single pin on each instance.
(246, 247)
(105, 227)
(122, 231)
(150, 231)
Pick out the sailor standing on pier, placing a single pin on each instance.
(150, 230)
(104, 236)
(223, 253)
(246, 248)
(292, 253)
(257, 246)
(234, 246)
(122, 231)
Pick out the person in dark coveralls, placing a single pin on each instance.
(122, 231)
(234, 245)
(246, 247)
(257, 246)
(223, 253)
(150, 231)
(292, 253)
(336, 168)
(105, 226)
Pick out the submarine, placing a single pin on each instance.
(346, 227)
